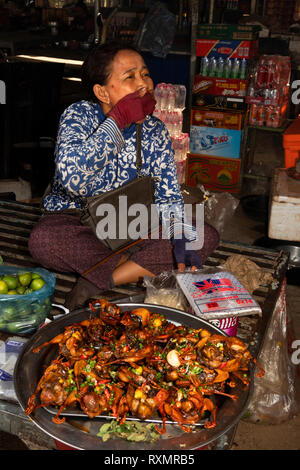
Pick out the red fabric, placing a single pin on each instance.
(132, 108)
(60, 243)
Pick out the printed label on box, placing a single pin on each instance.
(220, 119)
(220, 86)
(221, 48)
(214, 141)
(218, 174)
(218, 102)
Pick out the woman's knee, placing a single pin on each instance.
(211, 235)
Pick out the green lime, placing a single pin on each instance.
(35, 276)
(27, 290)
(20, 290)
(12, 292)
(37, 284)
(25, 279)
(15, 327)
(8, 313)
(24, 311)
(3, 287)
(11, 281)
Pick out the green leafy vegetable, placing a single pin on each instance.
(133, 431)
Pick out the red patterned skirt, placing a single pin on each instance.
(60, 243)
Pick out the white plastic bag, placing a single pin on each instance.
(164, 290)
(274, 396)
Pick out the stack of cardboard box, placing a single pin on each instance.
(219, 105)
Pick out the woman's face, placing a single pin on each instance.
(128, 75)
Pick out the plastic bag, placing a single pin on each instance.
(219, 208)
(157, 31)
(9, 352)
(214, 293)
(164, 290)
(274, 395)
(23, 314)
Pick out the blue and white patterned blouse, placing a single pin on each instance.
(87, 148)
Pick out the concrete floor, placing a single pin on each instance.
(266, 436)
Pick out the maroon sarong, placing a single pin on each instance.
(60, 243)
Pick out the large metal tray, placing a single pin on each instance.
(80, 432)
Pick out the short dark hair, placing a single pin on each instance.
(96, 67)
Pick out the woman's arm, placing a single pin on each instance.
(177, 222)
(84, 147)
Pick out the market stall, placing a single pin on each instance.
(17, 220)
(216, 91)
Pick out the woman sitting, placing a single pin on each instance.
(96, 152)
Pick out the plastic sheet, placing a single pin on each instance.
(164, 290)
(274, 395)
(214, 293)
(158, 30)
(9, 351)
(219, 208)
(23, 314)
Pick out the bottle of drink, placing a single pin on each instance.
(180, 97)
(261, 115)
(212, 67)
(220, 67)
(261, 76)
(164, 96)
(253, 115)
(236, 68)
(170, 97)
(169, 123)
(204, 66)
(227, 68)
(158, 95)
(271, 72)
(243, 69)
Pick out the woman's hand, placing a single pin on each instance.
(132, 108)
(185, 257)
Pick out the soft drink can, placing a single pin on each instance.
(261, 115)
(261, 77)
(273, 116)
(253, 115)
(274, 96)
(270, 75)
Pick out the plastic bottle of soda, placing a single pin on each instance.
(253, 115)
(271, 72)
(204, 66)
(220, 67)
(261, 115)
(236, 68)
(227, 68)
(243, 69)
(261, 76)
(212, 67)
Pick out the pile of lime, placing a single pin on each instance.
(21, 284)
